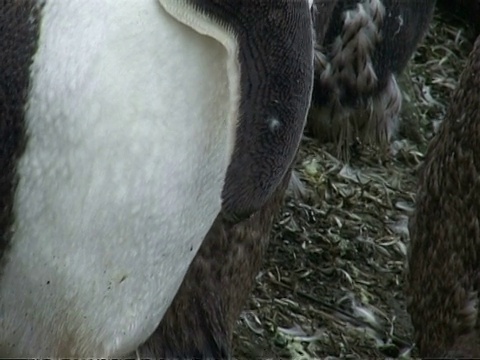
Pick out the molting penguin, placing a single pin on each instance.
(368, 43)
(443, 279)
(127, 128)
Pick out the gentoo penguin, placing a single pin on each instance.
(127, 128)
(368, 43)
(443, 278)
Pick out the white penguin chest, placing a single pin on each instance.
(129, 131)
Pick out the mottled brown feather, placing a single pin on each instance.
(443, 277)
(367, 45)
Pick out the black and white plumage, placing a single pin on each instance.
(127, 128)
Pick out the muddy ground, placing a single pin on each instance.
(331, 285)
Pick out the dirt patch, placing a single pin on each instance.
(332, 283)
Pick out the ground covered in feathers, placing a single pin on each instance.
(331, 285)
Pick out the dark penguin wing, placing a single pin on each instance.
(19, 27)
(275, 56)
(276, 59)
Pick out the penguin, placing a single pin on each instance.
(367, 45)
(443, 270)
(127, 128)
